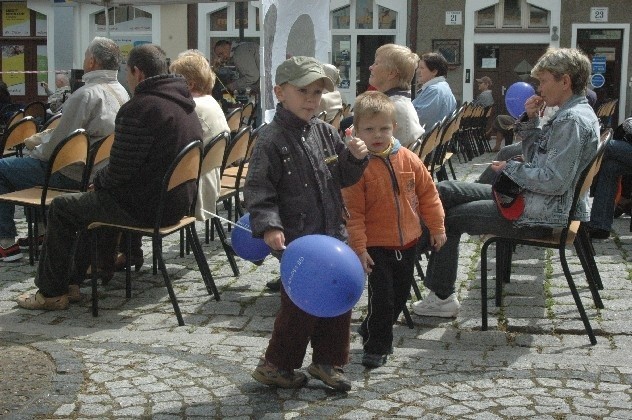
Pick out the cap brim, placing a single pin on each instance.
(311, 78)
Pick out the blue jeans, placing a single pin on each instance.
(469, 208)
(617, 161)
(19, 173)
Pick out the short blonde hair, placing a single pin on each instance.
(371, 103)
(402, 59)
(196, 70)
(561, 61)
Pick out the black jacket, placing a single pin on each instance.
(295, 175)
(156, 124)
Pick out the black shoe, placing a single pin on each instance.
(274, 285)
(596, 233)
(374, 360)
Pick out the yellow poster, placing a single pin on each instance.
(15, 19)
(13, 61)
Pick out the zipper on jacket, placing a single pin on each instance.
(396, 193)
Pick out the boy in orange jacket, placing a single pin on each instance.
(386, 207)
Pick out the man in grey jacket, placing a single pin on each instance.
(93, 107)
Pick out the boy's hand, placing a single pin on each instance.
(357, 148)
(366, 261)
(275, 239)
(438, 240)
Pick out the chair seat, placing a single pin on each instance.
(232, 171)
(33, 196)
(228, 183)
(553, 239)
(163, 231)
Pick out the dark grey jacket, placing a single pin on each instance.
(295, 175)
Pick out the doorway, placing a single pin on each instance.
(506, 65)
(606, 43)
(367, 44)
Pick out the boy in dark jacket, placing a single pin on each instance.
(296, 171)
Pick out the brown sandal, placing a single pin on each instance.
(38, 301)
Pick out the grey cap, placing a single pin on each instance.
(301, 71)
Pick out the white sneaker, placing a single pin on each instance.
(431, 305)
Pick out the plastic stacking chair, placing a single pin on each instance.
(560, 240)
(73, 149)
(184, 169)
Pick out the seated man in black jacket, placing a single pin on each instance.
(150, 130)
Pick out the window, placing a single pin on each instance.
(219, 20)
(512, 14)
(387, 18)
(124, 18)
(538, 18)
(341, 18)
(364, 14)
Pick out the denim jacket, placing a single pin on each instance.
(554, 157)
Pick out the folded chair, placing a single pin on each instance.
(184, 169)
(560, 240)
(73, 149)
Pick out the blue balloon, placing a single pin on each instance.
(322, 275)
(516, 96)
(244, 245)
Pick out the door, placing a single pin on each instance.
(367, 44)
(606, 43)
(21, 63)
(506, 65)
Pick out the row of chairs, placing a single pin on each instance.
(229, 153)
(605, 112)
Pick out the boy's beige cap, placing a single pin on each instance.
(300, 71)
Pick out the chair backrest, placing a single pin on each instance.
(17, 116)
(214, 152)
(36, 110)
(234, 120)
(185, 168)
(237, 149)
(72, 149)
(322, 115)
(17, 133)
(99, 152)
(246, 113)
(430, 140)
(52, 122)
(583, 184)
(254, 135)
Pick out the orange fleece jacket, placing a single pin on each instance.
(380, 217)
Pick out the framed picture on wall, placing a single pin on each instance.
(449, 48)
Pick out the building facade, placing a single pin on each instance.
(501, 39)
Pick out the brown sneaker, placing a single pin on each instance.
(268, 374)
(330, 375)
(38, 301)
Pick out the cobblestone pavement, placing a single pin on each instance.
(133, 361)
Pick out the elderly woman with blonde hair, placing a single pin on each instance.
(195, 68)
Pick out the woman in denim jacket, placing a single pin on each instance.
(554, 156)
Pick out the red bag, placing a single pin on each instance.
(508, 197)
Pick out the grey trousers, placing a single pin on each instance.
(469, 209)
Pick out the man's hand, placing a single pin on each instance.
(358, 148)
(438, 240)
(533, 106)
(275, 239)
